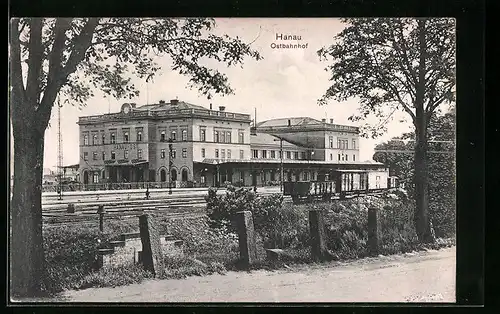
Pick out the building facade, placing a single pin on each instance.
(190, 145)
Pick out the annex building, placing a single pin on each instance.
(190, 145)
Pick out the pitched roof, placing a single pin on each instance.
(268, 139)
(284, 122)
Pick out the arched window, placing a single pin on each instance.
(85, 177)
(94, 140)
(184, 175)
(163, 175)
(173, 174)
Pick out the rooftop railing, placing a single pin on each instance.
(163, 113)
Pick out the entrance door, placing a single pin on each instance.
(85, 177)
(113, 176)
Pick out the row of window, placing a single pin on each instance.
(343, 157)
(219, 137)
(112, 138)
(342, 143)
(173, 153)
(173, 135)
(113, 155)
(272, 154)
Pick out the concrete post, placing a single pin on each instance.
(100, 211)
(152, 256)
(373, 231)
(319, 251)
(246, 238)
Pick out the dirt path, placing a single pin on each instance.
(418, 277)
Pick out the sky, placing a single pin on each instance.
(286, 83)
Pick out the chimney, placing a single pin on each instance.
(331, 121)
(222, 108)
(289, 122)
(323, 120)
(174, 102)
(210, 106)
(162, 102)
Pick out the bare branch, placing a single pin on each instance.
(80, 45)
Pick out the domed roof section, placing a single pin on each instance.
(294, 121)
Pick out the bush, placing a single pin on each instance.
(278, 225)
(118, 275)
(70, 254)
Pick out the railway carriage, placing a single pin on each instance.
(341, 183)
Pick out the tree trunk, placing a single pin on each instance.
(421, 164)
(27, 262)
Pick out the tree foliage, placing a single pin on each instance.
(378, 61)
(442, 169)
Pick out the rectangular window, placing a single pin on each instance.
(228, 154)
(228, 137)
(173, 135)
(353, 157)
(331, 141)
(264, 154)
(339, 157)
(353, 144)
(85, 155)
(125, 154)
(103, 156)
(94, 156)
(139, 136)
(162, 154)
(223, 153)
(85, 139)
(173, 153)
(184, 153)
(216, 153)
(288, 155)
(222, 136)
(241, 137)
(94, 140)
(162, 136)
(255, 153)
(331, 156)
(113, 155)
(125, 137)
(203, 135)
(103, 138)
(273, 154)
(184, 135)
(113, 138)
(346, 157)
(303, 155)
(203, 153)
(216, 136)
(295, 155)
(139, 154)
(242, 154)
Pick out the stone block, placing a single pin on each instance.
(246, 238)
(152, 257)
(373, 231)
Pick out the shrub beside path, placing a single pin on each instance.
(427, 276)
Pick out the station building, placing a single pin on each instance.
(190, 145)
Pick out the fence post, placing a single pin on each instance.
(319, 252)
(100, 211)
(152, 257)
(246, 238)
(373, 231)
